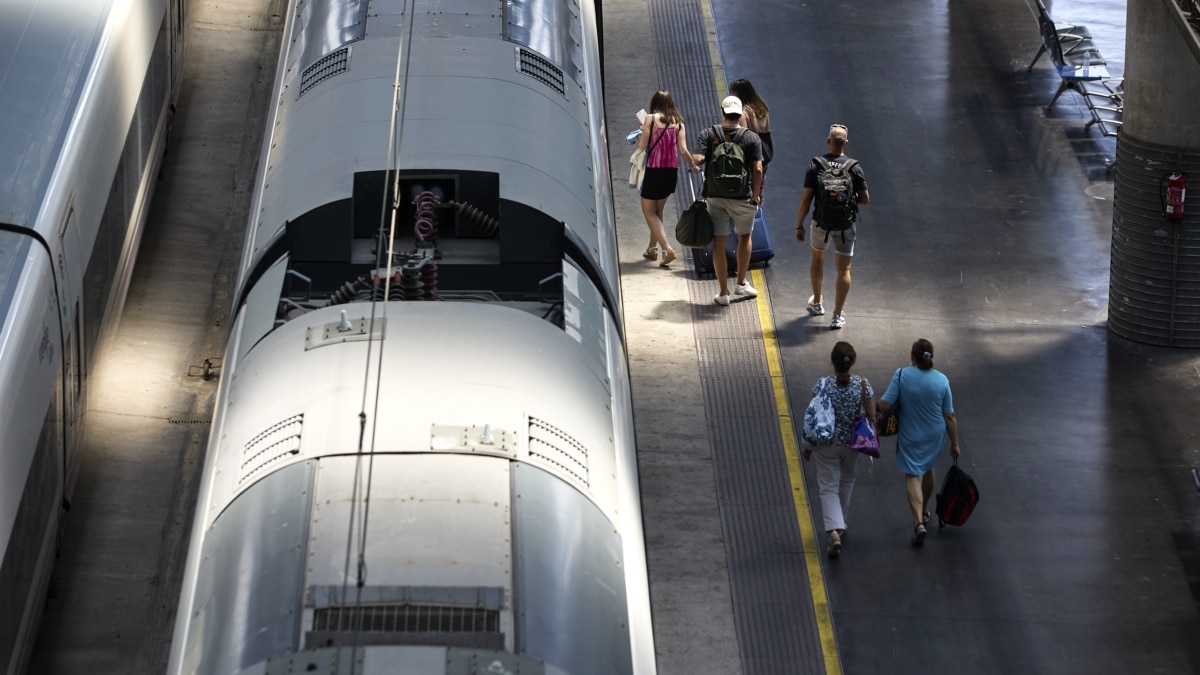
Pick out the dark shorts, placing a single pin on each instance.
(659, 183)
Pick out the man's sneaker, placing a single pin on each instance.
(839, 320)
(745, 289)
(722, 300)
(815, 308)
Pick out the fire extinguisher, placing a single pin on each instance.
(1176, 193)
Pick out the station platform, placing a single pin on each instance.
(987, 233)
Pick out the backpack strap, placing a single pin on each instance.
(718, 137)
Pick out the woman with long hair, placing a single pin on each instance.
(850, 395)
(926, 420)
(663, 139)
(756, 115)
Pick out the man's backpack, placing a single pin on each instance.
(725, 171)
(837, 207)
(819, 418)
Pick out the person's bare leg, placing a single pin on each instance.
(743, 257)
(720, 265)
(816, 273)
(842, 289)
(652, 210)
(916, 502)
(927, 483)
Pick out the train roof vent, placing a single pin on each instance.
(278, 442)
(337, 61)
(541, 69)
(556, 447)
(406, 624)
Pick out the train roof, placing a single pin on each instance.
(45, 47)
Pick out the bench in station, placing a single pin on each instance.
(1082, 69)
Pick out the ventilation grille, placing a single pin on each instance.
(406, 619)
(554, 446)
(278, 442)
(540, 69)
(326, 67)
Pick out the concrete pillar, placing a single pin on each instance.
(1154, 282)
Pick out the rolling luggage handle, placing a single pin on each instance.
(687, 177)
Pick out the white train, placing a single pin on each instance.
(422, 456)
(86, 94)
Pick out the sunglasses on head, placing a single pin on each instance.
(837, 126)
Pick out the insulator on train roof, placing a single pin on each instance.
(429, 279)
(482, 221)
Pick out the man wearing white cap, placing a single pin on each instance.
(738, 202)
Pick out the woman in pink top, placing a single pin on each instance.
(663, 139)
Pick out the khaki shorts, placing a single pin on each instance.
(842, 240)
(739, 212)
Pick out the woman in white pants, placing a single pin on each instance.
(850, 394)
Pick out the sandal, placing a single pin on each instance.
(668, 256)
(651, 253)
(925, 518)
(918, 537)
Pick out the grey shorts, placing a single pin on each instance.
(817, 240)
(739, 212)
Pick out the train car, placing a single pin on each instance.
(87, 91)
(422, 454)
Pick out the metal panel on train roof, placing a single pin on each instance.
(435, 521)
(476, 364)
(525, 134)
(341, 22)
(391, 659)
(439, 18)
(44, 48)
(251, 578)
(568, 557)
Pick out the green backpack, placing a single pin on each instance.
(725, 173)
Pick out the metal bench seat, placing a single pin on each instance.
(1105, 100)
(1075, 56)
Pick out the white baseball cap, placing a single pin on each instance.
(732, 105)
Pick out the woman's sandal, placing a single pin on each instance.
(918, 537)
(668, 256)
(651, 253)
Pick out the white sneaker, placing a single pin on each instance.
(839, 320)
(815, 308)
(745, 289)
(722, 300)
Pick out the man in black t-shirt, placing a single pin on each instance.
(843, 239)
(736, 213)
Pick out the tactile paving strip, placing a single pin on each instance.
(773, 605)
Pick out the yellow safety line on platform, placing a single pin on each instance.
(808, 540)
(791, 451)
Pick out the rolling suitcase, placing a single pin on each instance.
(761, 248)
(957, 499)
